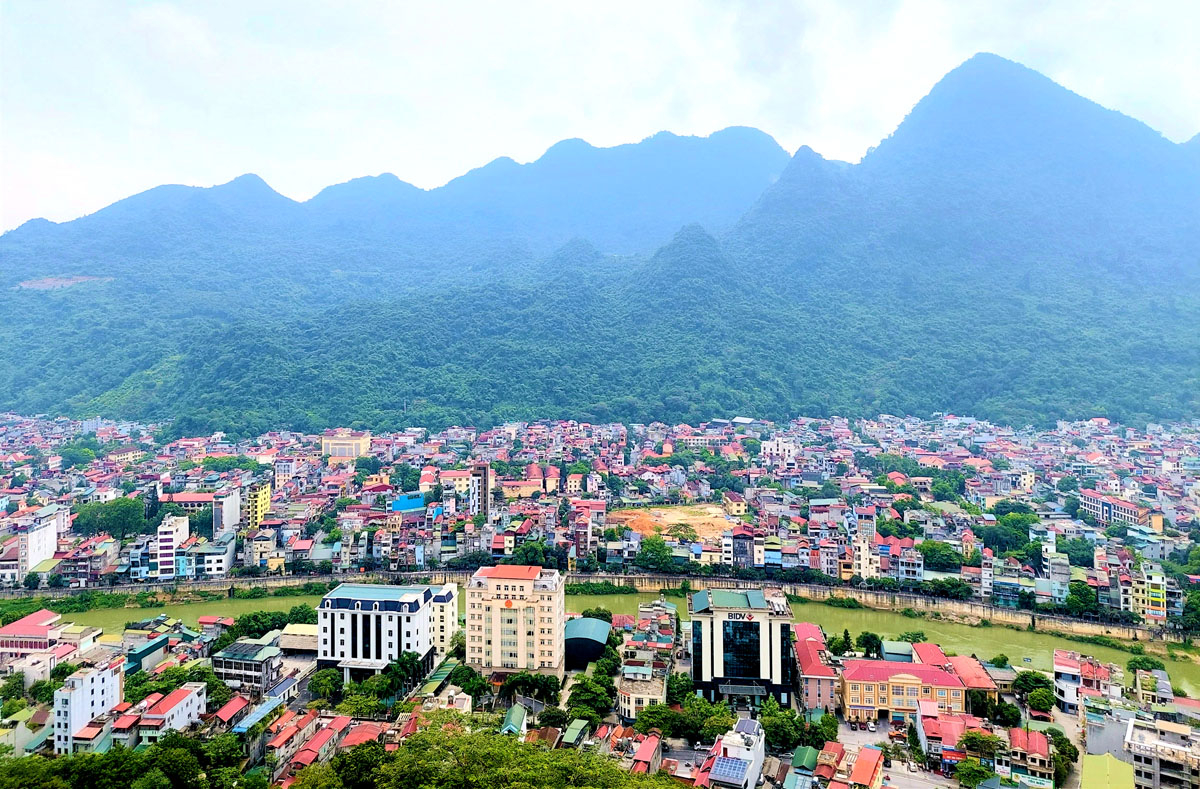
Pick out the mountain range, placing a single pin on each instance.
(1011, 250)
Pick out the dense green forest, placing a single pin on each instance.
(1012, 251)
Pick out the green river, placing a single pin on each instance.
(984, 642)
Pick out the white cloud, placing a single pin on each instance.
(98, 102)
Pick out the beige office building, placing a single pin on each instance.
(515, 620)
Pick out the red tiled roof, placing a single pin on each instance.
(645, 751)
(126, 722)
(866, 765)
(509, 572)
(232, 708)
(363, 732)
(972, 673)
(36, 624)
(1029, 741)
(168, 702)
(929, 654)
(884, 670)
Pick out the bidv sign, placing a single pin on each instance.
(737, 616)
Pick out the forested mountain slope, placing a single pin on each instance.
(1012, 250)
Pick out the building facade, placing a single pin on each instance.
(886, 690)
(1165, 755)
(256, 504)
(343, 446)
(1110, 509)
(250, 665)
(742, 646)
(166, 546)
(516, 618)
(364, 627)
(88, 693)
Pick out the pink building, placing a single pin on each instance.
(818, 680)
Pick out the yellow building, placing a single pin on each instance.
(891, 690)
(257, 504)
(459, 479)
(734, 504)
(515, 620)
(520, 488)
(343, 445)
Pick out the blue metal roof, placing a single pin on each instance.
(257, 714)
(592, 629)
(282, 687)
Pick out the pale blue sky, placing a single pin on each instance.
(99, 100)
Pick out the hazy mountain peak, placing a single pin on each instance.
(383, 187)
(567, 147)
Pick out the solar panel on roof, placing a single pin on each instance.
(729, 770)
(747, 726)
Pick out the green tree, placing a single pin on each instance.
(971, 773)
(122, 517)
(182, 766)
(554, 716)
(458, 645)
(1081, 600)
(360, 705)
(1041, 700)
(980, 743)
(1144, 663)
(654, 555)
(598, 613)
(317, 776)
(13, 687)
(154, 778)
(870, 644)
(658, 716)
(1006, 715)
(358, 767)
(224, 750)
(679, 688)
(939, 556)
(1029, 681)
(1000, 661)
(781, 727)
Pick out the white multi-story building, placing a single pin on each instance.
(443, 617)
(740, 760)
(479, 492)
(866, 557)
(37, 535)
(176, 711)
(515, 620)
(214, 559)
(364, 627)
(172, 533)
(88, 693)
(227, 511)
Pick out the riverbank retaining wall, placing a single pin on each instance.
(955, 610)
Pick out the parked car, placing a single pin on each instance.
(870, 725)
(853, 726)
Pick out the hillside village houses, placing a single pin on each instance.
(1088, 518)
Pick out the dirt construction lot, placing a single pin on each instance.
(707, 520)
